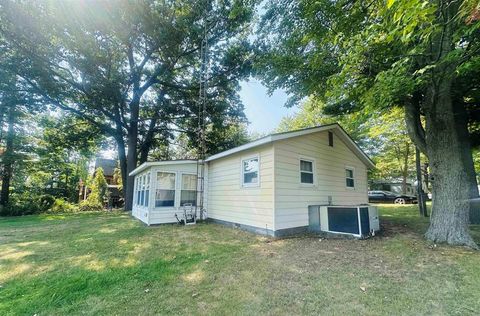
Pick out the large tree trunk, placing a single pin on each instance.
(8, 158)
(132, 139)
(460, 116)
(446, 140)
(451, 164)
(147, 143)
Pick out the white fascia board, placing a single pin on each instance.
(148, 164)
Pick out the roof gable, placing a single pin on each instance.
(279, 136)
(349, 142)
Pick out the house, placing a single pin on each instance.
(278, 185)
(114, 195)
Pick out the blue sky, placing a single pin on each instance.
(263, 111)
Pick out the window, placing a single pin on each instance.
(136, 191)
(147, 189)
(142, 192)
(350, 177)
(306, 171)
(189, 189)
(139, 184)
(330, 139)
(165, 195)
(250, 172)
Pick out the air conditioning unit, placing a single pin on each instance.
(358, 220)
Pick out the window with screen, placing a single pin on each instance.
(306, 171)
(165, 194)
(350, 177)
(189, 187)
(250, 172)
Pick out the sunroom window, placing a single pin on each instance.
(165, 194)
(189, 187)
(250, 172)
(142, 199)
(306, 171)
(147, 190)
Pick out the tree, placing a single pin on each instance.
(375, 56)
(98, 188)
(130, 68)
(313, 113)
(64, 146)
(395, 154)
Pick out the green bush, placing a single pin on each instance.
(63, 206)
(26, 203)
(90, 205)
(46, 201)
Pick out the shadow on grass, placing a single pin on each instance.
(406, 219)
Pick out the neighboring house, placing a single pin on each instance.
(267, 186)
(114, 194)
(395, 187)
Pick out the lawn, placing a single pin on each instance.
(111, 264)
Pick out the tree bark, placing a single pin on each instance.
(8, 158)
(414, 124)
(131, 152)
(460, 116)
(450, 158)
(147, 143)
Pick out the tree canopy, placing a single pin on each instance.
(371, 57)
(131, 68)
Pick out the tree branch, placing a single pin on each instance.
(414, 125)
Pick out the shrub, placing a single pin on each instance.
(63, 206)
(46, 201)
(90, 205)
(26, 203)
(98, 187)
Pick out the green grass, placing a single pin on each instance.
(110, 264)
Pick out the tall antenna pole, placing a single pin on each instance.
(202, 114)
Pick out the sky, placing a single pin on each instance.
(263, 111)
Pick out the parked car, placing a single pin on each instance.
(390, 197)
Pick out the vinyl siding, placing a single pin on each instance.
(229, 201)
(293, 198)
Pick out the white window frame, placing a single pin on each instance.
(181, 187)
(250, 185)
(142, 190)
(353, 171)
(313, 171)
(135, 191)
(175, 198)
(148, 191)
